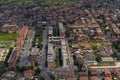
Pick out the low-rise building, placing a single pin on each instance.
(4, 79)
(29, 73)
(83, 78)
(21, 37)
(10, 74)
(50, 56)
(116, 72)
(94, 78)
(50, 31)
(13, 57)
(107, 72)
(64, 53)
(9, 28)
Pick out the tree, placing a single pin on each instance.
(38, 70)
(41, 78)
(23, 68)
(36, 63)
(2, 70)
(17, 68)
(98, 58)
(7, 57)
(30, 67)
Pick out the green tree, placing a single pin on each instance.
(2, 70)
(98, 58)
(36, 63)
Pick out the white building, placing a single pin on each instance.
(64, 53)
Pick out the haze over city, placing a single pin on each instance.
(59, 39)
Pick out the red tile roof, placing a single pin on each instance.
(13, 58)
(107, 71)
(10, 28)
(29, 73)
(23, 31)
(21, 37)
(4, 79)
(33, 57)
(94, 78)
(116, 71)
(11, 73)
(71, 79)
(83, 78)
(108, 78)
(19, 41)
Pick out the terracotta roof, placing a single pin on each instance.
(74, 46)
(83, 78)
(84, 51)
(23, 31)
(108, 78)
(94, 78)
(71, 79)
(107, 71)
(4, 79)
(108, 19)
(82, 74)
(10, 28)
(86, 45)
(29, 71)
(19, 41)
(33, 57)
(22, 34)
(116, 70)
(64, 73)
(11, 73)
(13, 58)
(93, 71)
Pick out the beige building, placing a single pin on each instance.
(50, 56)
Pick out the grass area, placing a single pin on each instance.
(106, 64)
(90, 64)
(57, 64)
(38, 38)
(92, 43)
(103, 26)
(38, 32)
(7, 39)
(17, 1)
(8, 36)
(4, 44)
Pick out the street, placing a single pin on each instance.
(43, 56)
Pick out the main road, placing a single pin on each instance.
(43, 58)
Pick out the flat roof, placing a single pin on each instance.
(107, 59)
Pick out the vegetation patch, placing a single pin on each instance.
(92, 43)
(37, 41)
(111, 63)
(5, 36)
(4, 44)
(106, 64)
